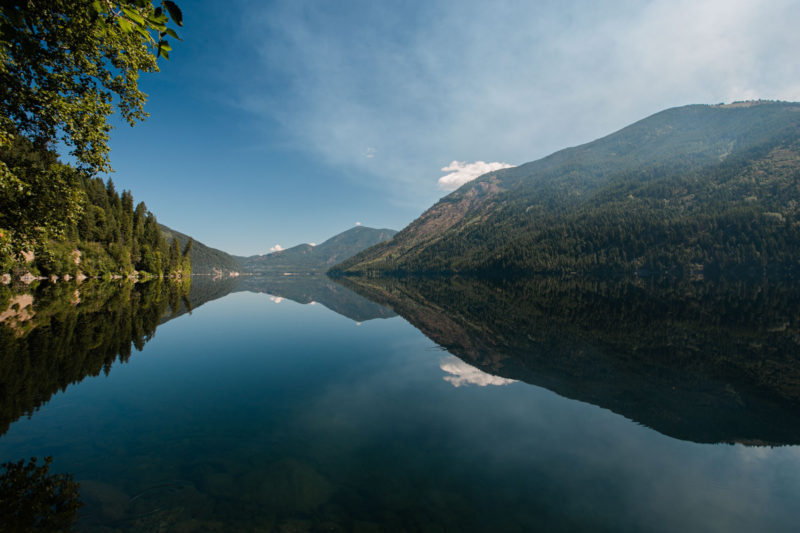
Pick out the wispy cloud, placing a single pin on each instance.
(423, 82)
(461, 172)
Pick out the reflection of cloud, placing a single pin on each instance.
(358, 323)
(312, 302)
(464, 374)
(276, 299)
(460, 172)
(276, 248)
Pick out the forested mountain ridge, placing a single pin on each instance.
(205, 260)
(310, 258)
(695, 187)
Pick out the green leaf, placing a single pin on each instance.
(125, 24)
(133, 15)
(172, 33)
(163, 50)
(174, 11)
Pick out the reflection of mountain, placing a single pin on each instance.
(316, 288)
(702, 361)
(58, 334)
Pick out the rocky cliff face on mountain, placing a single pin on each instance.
(690, 188)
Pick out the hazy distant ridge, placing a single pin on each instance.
(306, 258)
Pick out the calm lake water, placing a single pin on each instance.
(265, 410)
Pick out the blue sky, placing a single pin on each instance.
(290, 121)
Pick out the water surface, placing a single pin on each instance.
(256, 412)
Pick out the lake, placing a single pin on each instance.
(302, 404)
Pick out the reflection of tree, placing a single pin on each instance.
(698, 360)
(32, 499)
(74, 331)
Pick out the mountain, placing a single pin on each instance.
(306, 258)
(704, 361)
(688, 189)
(205, 260)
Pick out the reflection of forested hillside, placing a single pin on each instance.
(203, 290)
(700, 361)
(58, 334)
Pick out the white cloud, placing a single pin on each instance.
(370, 153)
(463, 374)
(358, 223)
(460, 172)
(312, 244)
(276, 248)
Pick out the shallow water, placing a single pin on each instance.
(254, 413)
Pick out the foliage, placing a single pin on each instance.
(76, 223)
(42, 200)
(33, 499)
(63, 66)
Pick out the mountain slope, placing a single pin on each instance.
(205, 260)
(689, 188)
(308, 258)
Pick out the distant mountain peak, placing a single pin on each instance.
(308, 257)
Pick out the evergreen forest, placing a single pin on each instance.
(61, 222)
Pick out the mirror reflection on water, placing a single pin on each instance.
(299, 403)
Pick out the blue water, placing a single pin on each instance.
(252, 415)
